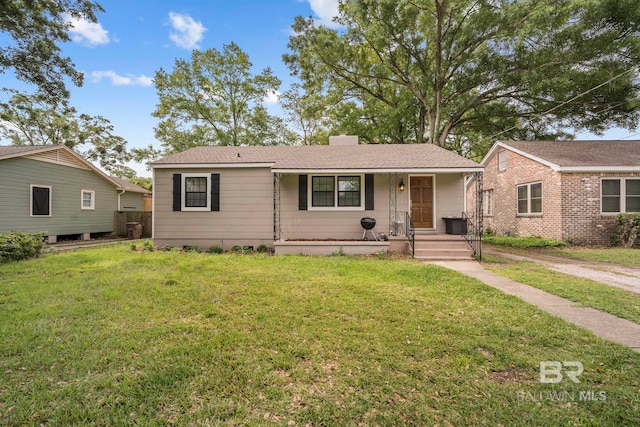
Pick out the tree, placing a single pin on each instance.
(477, 68)
(36, 120)
(305, 112)
(213, 99)
(34, 30)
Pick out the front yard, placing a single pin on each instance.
(113, 337)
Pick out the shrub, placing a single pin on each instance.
(523, 242)
(262, 249)
(236, 249)
(215, 249)
(148, 245)
(628, 228)
(18, 245)
(190, 248)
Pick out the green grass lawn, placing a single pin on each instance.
(619, 302)
(113, 337)
(619, 256)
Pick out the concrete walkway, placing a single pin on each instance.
(602, 324)
(627, 278)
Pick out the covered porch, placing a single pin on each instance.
(319, 212)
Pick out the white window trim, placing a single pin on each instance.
(93, 200)
(623, 193)
(183, 195)
(502, 165)
(529, 213)
(335, 206)
(31, 201)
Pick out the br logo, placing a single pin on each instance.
(551, 371)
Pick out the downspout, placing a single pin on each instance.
(120, 194)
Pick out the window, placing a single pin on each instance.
(322, 195)
(530, 198)
(40, 200)
(195, 189)
(620, 195)
(87, 199)
(487, 202)
(325, 193)
(348, 191)
(502, 160)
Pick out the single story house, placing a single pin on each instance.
(567, 190)
(52, 189)
(280, 196)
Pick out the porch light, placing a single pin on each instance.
(402, 184)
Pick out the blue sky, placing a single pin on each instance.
(134, 38)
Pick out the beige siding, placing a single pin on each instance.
(245, 217)
(332, 224)
(449, 198)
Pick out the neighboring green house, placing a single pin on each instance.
(52, 189)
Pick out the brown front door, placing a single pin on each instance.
(421, 189)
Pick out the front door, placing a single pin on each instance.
(421, 192)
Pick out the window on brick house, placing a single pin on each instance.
(530, 198)
(502, 161)
(487, 202)
(620, 195)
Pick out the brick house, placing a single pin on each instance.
(568, 190)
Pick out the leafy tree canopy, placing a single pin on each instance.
(34, 30)
(444, 72)
(214, 99)
(36, 120)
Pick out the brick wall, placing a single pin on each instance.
(582, 221)
(521, 170)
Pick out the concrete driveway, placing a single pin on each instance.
(627, 278)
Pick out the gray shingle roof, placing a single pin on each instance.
(129, 186)
(582, 153)
(363, 156)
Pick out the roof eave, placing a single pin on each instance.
(576, 169)
(378, 170)
(210, 165)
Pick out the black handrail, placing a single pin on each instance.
(474, 233)
(411, 233)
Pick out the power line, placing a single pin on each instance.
(570, 100)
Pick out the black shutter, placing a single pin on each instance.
(215, 191)
(40, 201)
(177, 192)
(368, 192)
(302, 192)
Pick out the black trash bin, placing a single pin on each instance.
(134, 230)
(455, 225)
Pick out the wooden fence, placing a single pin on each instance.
(120, 220)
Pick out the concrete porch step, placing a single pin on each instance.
(441, 254)
(431, 247)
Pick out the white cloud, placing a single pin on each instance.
(325, 10)
(188, 31)
(86, 32)
(272, 97)
(118, 80)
